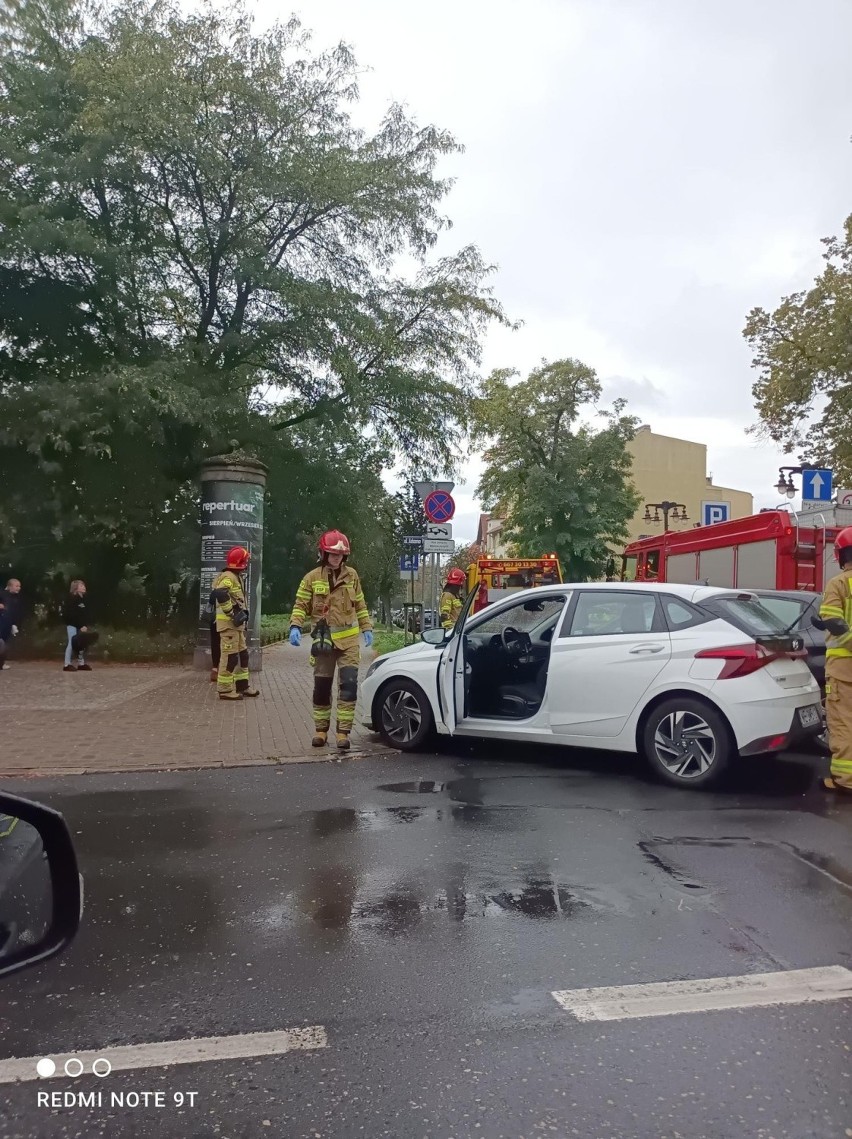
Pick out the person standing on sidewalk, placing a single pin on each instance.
(76, 616)
(10, 614)
(232, 617)
(835, 616)
(331, 598)
(451, 602)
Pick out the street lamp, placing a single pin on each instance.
(786, 485)
(676, 509)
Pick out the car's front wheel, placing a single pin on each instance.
(687, 743)
(403, 715)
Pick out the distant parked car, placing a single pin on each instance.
(430, 620)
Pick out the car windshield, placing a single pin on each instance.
(748, 614)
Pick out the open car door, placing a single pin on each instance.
(452, 674)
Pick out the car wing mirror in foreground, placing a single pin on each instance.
(434, 636)
(40, 890)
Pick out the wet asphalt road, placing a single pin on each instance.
(422, 910)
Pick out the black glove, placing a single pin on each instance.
(834, 625)
(240, 616)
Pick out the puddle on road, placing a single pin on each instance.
(414, 787)
(661, 864)
(346, 820)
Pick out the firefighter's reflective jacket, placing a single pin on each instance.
(450, 608)
(231, 599)
(837, 602)
(335, 598)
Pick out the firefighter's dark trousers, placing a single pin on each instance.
(345, 660)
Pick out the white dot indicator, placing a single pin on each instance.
(68, 1064)
(45, 1067)
(106, 1067)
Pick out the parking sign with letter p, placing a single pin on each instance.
(712, 512)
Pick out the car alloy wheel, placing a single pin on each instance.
(685, 744)
(404, 716)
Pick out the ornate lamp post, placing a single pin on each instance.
(676, 510)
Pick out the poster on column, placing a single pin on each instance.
(232, 515)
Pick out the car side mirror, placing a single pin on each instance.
(40, 891)
(434, 636)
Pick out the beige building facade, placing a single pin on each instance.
(675, 470)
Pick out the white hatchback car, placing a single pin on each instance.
(690, 676)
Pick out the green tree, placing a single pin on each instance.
(803, 355)
(199, 254)
(464, 555)
(565, 485)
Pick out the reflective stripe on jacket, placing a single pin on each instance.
(837, 602)
(230, 580)
(451, 607)
(337, 599)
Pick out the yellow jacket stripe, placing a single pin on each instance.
(837, 602)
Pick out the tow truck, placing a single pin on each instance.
(775, 549)
(494, 578)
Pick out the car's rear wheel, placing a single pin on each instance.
(687, 743)
(403, 715)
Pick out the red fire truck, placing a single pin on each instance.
(775, 549)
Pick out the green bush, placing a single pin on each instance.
(389, 642)
(125, 646)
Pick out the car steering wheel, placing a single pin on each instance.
(515, 643)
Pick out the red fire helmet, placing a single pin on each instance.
(456, 577)
(843, 541)
(334, 542)
(238, 558)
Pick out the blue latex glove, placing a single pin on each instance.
(295, 637)
(368, 638)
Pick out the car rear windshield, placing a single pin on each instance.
(788, 610)
(747, 614)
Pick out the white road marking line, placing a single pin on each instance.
(664, 998)
(165, 1053)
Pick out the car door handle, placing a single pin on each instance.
(647, 649)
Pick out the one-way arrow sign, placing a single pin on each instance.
(816, 485)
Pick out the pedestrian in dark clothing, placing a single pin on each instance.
(6, 634)
(10, 600)
(215, 649)
(76, 614)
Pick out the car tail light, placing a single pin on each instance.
(739, 660)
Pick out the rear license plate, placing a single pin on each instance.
(810, 716)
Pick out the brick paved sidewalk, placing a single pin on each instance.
(149, 718)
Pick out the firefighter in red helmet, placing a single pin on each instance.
(835, 616)
(451, 604)
(330, 597)
(229, 596)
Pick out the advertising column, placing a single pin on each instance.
(231, 515)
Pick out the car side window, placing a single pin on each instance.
(519, 617)
(599, 613)
(681, 615)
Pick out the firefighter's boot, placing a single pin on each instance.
(828, 784)
(230, 694)
(320, 738)
(343, 741)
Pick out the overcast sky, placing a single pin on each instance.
(643, 172)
